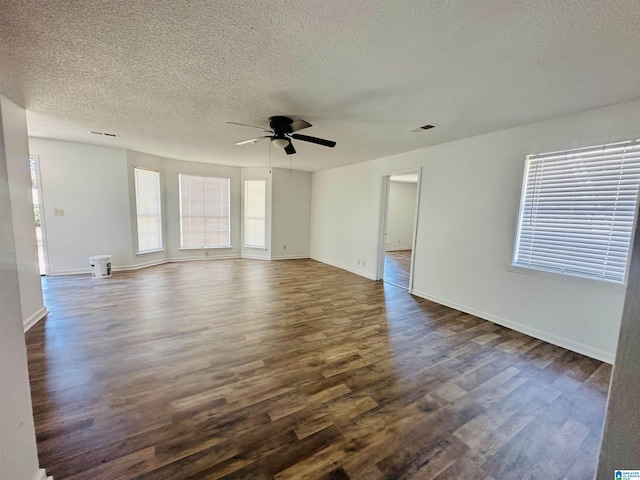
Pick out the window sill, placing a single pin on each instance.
(255, 248)
(149, 252)
(206, 248)
(564, 277)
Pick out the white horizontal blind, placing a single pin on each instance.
(577, 211)
(148, 210)
(255, 213)
(204, 212)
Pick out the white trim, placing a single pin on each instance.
(149, 252)
(43, 228)
(77, 271)
(383, 213)
(343, 267)
(206, 248)
(251, 256)
(41, 474)
(569, 344)
(580, 280)
(138, 266)
(35, 318)
(193, 259)
(290, 257)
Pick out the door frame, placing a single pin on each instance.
(43, 229)
(382, 220)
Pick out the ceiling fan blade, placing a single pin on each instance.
(297, 125)
(250, 126)
(289, 150)
(251, 140)
(319, 141)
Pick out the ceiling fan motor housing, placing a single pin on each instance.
(279, 125)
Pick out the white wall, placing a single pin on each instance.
(345, 203)
(90, 184)
(400, 216)
(469, 201)
(18, 454)
(17, 155)
(291, 214)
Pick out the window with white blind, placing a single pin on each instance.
(205, 220)
(577, 211)
(255, 213)
(148, 210)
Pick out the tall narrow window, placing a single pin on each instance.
(255, 213)
(577, 211)
(148, 210)
(205, 220)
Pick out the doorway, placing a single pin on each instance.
(399, 218)
(38, 213)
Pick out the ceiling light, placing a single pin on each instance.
(280, 142)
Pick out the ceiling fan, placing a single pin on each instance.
(282, 131)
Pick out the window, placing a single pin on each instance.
(577, 211)
(204, 212)
(148, 210)
(255, 213)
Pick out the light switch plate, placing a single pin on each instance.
(58, 211)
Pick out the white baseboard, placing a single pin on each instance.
(569, 344)
(35, 318)
(253, 256)
(290, 257)
(138, 266)
(195, 259)
(397, 249)
(62, 273)
(41, 474)
(368, 275)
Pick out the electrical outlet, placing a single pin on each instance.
(363, 263)
(284, 247)
(358, 261)
(58, 211)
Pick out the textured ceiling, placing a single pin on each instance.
(166, 75)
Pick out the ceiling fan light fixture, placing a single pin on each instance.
(280, 142)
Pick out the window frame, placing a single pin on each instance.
(245, 218)
(180, 212)
(581, 157)
(159, 248)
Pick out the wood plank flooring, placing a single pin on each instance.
(397, 266)
(297, 370)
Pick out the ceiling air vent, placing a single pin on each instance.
(423, 127)
(104, 134)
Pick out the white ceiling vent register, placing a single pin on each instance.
(577, 211)
(423, 127)
(104, 134)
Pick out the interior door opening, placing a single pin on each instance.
(399, 220)
(38, 214)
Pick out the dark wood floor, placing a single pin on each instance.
(397, 266)
(295, 369)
